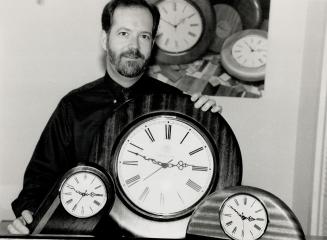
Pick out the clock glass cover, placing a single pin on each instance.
(83, 194)
(243, 217)
(180, 26)
(164, 166)
(250, 51)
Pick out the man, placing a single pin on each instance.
(129, 29)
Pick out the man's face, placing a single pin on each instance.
(129, 41)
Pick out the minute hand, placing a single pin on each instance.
(148, 159)
(183, 19)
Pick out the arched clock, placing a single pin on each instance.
(242, 213)
(165, 157)
(185, 30)
(76, 203)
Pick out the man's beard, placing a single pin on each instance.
(129, 68)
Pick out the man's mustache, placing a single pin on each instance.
(132, 53)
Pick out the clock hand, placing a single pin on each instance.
(169, 23)
(71, 187)
(149, 159)
(183, 19)
(241, 215)
(163, 166)
(247, 44)
(82, 195)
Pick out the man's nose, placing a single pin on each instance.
(134, 42)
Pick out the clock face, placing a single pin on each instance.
(180, 26)
(83, 194)
(250, 51)
(164, 166)
(243, 217)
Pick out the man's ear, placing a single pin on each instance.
(104, 39)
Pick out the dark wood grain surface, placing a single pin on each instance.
(229, 154)
(283, 224)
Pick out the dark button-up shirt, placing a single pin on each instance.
(68, 135)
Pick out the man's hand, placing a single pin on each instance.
(18, 226)
(205, 103)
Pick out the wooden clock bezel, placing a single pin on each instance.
(132, 125)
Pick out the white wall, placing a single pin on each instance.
(47, 50)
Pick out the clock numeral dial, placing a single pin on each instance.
(180, 26)
(242, 216)
(173, 171)
(83, 194)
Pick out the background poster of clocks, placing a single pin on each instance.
(216, 47)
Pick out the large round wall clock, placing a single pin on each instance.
(244, 213)
(165, 157)
(76, 203)
(164, 165)
(244, 55)
(185, 30)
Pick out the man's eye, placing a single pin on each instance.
(146, 36)
(124, 34)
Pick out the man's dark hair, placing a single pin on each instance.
(109, 9)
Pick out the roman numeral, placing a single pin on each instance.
(167, 41)
(68, 193)
(82, 211)
(192, 34)
(131, 181)
(69, 201)
(144, 194)
(148, 132)
(168, 131)
(199, 168)
(235, 200)
(131, 163)
(96, 203)
(196, 151)
(258, 210)
(228, 215)
(134, 145)
(180, 197)
(245, 200)
(98, 187)
(234, 230)
(229, 223)
(257, 227)
(184, 137)
(76, 180)
(193, 185)
(259, 219)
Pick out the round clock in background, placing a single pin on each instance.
(244, 212)
(228, 21)
(185, 30)
(166, 157)
(76, 203)
(244, 55)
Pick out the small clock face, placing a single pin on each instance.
(250, 51)
(180, 26)
(83, 194)
(243, 217)
(164, 166)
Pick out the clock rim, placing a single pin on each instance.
(103, 176)
(208, 17)
(233, 67)
(123, 136)
(234, 195)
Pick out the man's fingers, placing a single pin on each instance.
(201, 101)
(210, 103)
(19, 225)
(217, 108)
(28, 217)
(195, 96)
(12, 229)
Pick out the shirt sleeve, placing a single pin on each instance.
(51, 158)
